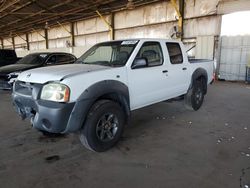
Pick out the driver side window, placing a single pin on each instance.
(152, 53)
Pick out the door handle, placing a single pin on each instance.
(184, 68)
(164, 71)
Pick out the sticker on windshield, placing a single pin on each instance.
(129, 42)
(43, 55)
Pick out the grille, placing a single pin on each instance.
(23, 88)
(27, 89)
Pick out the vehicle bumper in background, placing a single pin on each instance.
(4, 85)
(4, 82)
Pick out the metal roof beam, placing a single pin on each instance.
(76, 13)
(30, 24)
(16, 9)
(37, 13)
(38, 33)
(9, 5)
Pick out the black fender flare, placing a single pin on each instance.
(199, 72)
(112, 89)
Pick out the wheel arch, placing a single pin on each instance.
(200, 74)
(107, 89)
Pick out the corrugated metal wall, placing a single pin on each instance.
(204, 47)
(235, 54)
(8, 43)
(152, 21)
(230, 6)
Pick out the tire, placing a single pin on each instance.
(195, 96)
(103, 127)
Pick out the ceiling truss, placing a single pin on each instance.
(19, 17)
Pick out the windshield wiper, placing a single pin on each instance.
(104, 63)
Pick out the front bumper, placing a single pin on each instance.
(4, 82)
(4, 85)
(44, 115)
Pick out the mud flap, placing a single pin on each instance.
(187, 99)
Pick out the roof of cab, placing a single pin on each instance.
(143, 40)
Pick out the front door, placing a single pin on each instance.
(148, 84)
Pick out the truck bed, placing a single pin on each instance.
(207, 64)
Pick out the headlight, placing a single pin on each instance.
(55, 92)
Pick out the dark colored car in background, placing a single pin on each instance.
(9, 73)
(8, 57)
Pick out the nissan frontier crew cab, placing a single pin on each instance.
(95, 96)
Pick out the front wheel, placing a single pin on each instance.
(195, 96)
(103, 127)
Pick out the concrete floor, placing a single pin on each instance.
(166, 146)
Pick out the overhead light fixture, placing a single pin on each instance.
(130, 4)
(46, 25)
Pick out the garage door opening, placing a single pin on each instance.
(234, 46)
(235, 24)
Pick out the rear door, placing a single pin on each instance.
(178, 70)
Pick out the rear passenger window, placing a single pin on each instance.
(152, 52)
(175, 53)
(61, 59)
(64, 58)
(70, 59)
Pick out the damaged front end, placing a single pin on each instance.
(44, 115)
(24, 96)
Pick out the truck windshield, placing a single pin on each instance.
(109, 53)
(33, 59)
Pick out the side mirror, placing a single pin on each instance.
(139, 63)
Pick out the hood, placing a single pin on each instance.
(15, 68)
(57, 73)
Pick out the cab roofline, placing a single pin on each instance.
(142, 39)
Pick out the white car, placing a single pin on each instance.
(95, 95)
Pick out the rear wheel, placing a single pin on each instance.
(194, 97)
(103, 127)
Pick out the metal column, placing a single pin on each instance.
(110, 25)
(46, 38)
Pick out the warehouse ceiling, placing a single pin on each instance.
(22, 16)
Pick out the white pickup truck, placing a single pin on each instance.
(95, 96)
